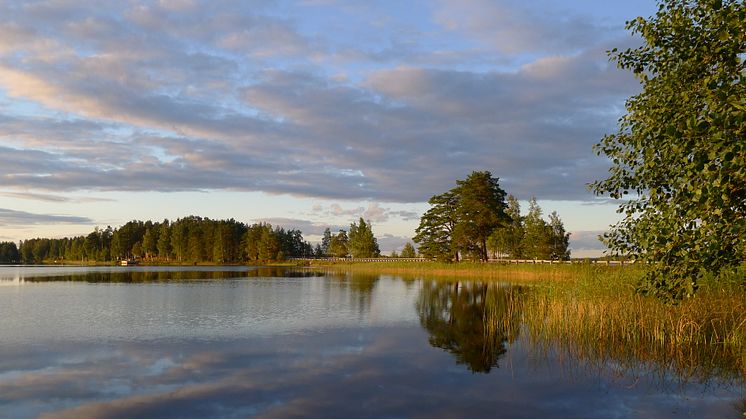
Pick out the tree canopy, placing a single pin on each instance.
(188, 239)
(408, 251)
(362, 242)
(460, 220)
(339, 245)
(480, 210)
(435, 232)
(9, 253)
(680, 151)
(530, 236)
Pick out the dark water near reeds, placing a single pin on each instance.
(242, 342)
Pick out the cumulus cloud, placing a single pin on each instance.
(186, 95)
(374, 212)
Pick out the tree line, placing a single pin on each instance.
(530, 236)
(9, 253)
(186, 240)
(193, 239)
(474, 221)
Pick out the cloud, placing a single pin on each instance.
(337, 210)
(586, 241)
(307, 227)
(10, 217)
(178, 96)
(518, 27)
(406, 215)
(52, 198)
(374, 213)
(389, 242)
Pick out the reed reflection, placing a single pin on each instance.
(473, 321)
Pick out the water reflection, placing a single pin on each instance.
(299, 343)
(471, 320)
(391, 373)
(360, 287)
(147, 274)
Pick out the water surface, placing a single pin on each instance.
(240, 342)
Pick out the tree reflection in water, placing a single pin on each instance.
(169, 274)
(472, 321)
(360, 286)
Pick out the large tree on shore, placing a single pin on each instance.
(680, 151)
(481, 210)
(435, 232)
(461, 220)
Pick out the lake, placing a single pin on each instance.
(228, 342)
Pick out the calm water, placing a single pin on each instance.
(238, 342)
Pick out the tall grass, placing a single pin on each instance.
(593, 313)
(473, 270)
(599, 317)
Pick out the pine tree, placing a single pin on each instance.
(408, 251)
(537, 237)
(362, 242)
(560, 240)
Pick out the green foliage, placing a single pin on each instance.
(164, 240)
(9, 253)
(681, 148)
(326, 242)
(96, 245)
(531, 236)
(408, 251)
(473, 218)
(268, 246)
(559, 239)
(480, 210)
(339, 245)
(263, 243)
(189, 239)
(362, 242)
(509, 239)
(537, 237)
(460, 220)
(434, 234)
(150, 242)
(318, 251)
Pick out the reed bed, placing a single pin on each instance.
(464, 270)
(593, 313)
(599, 317)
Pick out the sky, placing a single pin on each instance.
(306, 114)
